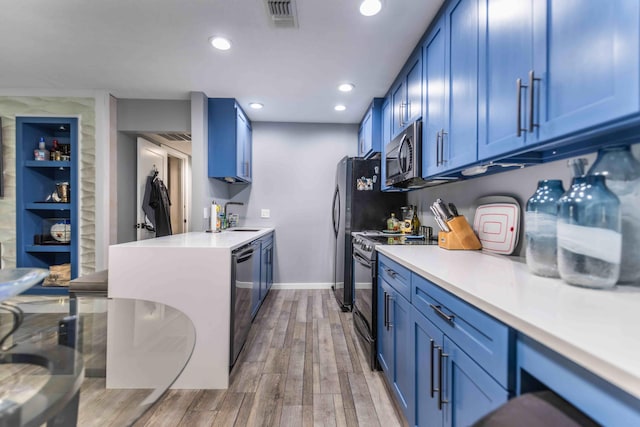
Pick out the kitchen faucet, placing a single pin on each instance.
(226, 218)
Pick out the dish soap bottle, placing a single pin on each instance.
(622, 172)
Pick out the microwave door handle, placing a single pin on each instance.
(402, 142)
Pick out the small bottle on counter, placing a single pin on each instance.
(393, 224)
(415, 222)
(41, 153)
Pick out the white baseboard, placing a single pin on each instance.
(302, 286)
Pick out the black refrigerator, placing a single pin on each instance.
(358, 204)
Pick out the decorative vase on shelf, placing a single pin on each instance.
(622, 172)
(589, 238)
(540, 228)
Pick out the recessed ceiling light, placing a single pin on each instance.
(370, 7)
(339, 107)
(256, 105)
(220, 43)
(346, 87)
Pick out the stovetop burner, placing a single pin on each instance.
(381, 238)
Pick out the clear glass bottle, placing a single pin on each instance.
(622, 172)
(393, 224)
(415, 222)
(589, 238)
(540, 228)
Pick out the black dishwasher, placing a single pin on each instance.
(242, 277)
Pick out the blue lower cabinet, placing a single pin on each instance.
(426, 346)
(450, 388)
(394, 342)
(469, 392)
(403, 377)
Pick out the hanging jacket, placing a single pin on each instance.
(159, 201)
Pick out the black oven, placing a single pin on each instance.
(365, 296)
(365, 279)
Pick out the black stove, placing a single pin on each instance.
(365, 283)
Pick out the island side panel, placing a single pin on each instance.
(196, 281)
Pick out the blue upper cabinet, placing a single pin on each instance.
(549, 69)
(506, 58)
(406, 95)
(587, 57)
(370, 135)
(433, 122)
(451, 56)
(229, 141)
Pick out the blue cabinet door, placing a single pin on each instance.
(434, 100)
(427, 342)
(243, 156)
(398, 102)
(469, 391)
(506, 55)
(414, 89)
(385, 332)
(587, 57)
(460, 136)
(229, 141)
(403, 363)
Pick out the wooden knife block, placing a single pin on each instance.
(461, 236)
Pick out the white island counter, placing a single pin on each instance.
(191, 272)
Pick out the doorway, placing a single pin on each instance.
(173, 168)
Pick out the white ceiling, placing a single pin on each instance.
(158, 49)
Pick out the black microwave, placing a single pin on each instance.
(403, 157)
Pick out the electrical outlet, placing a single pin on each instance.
(265, 213)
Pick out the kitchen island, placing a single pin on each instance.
(191, 272)
(582, 343)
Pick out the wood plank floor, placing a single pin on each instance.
(301, 366)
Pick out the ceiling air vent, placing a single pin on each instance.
(176, 136)
(282, 13)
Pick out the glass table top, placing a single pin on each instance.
(14, 281)
(89, 361)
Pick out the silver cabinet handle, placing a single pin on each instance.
(400, 115)
(390, 272)
(388, 302)
(438, 309)
(442, 134)
(441, 357)
(432, 346)
(519, 87)
(438, 149)
(532, 80)
(386, 310)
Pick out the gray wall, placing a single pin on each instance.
(294, 177)
(519, 183)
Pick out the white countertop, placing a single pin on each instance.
(597, 329)
(227, 239)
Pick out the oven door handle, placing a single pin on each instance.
(362, 260)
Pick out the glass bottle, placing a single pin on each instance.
(589, 238)
(415, 222)
(540, 228)
(622, 172)
(392, 223)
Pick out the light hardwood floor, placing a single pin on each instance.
(301, 366)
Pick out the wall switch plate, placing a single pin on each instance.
(265, 213)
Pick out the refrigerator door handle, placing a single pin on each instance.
(336, 210)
